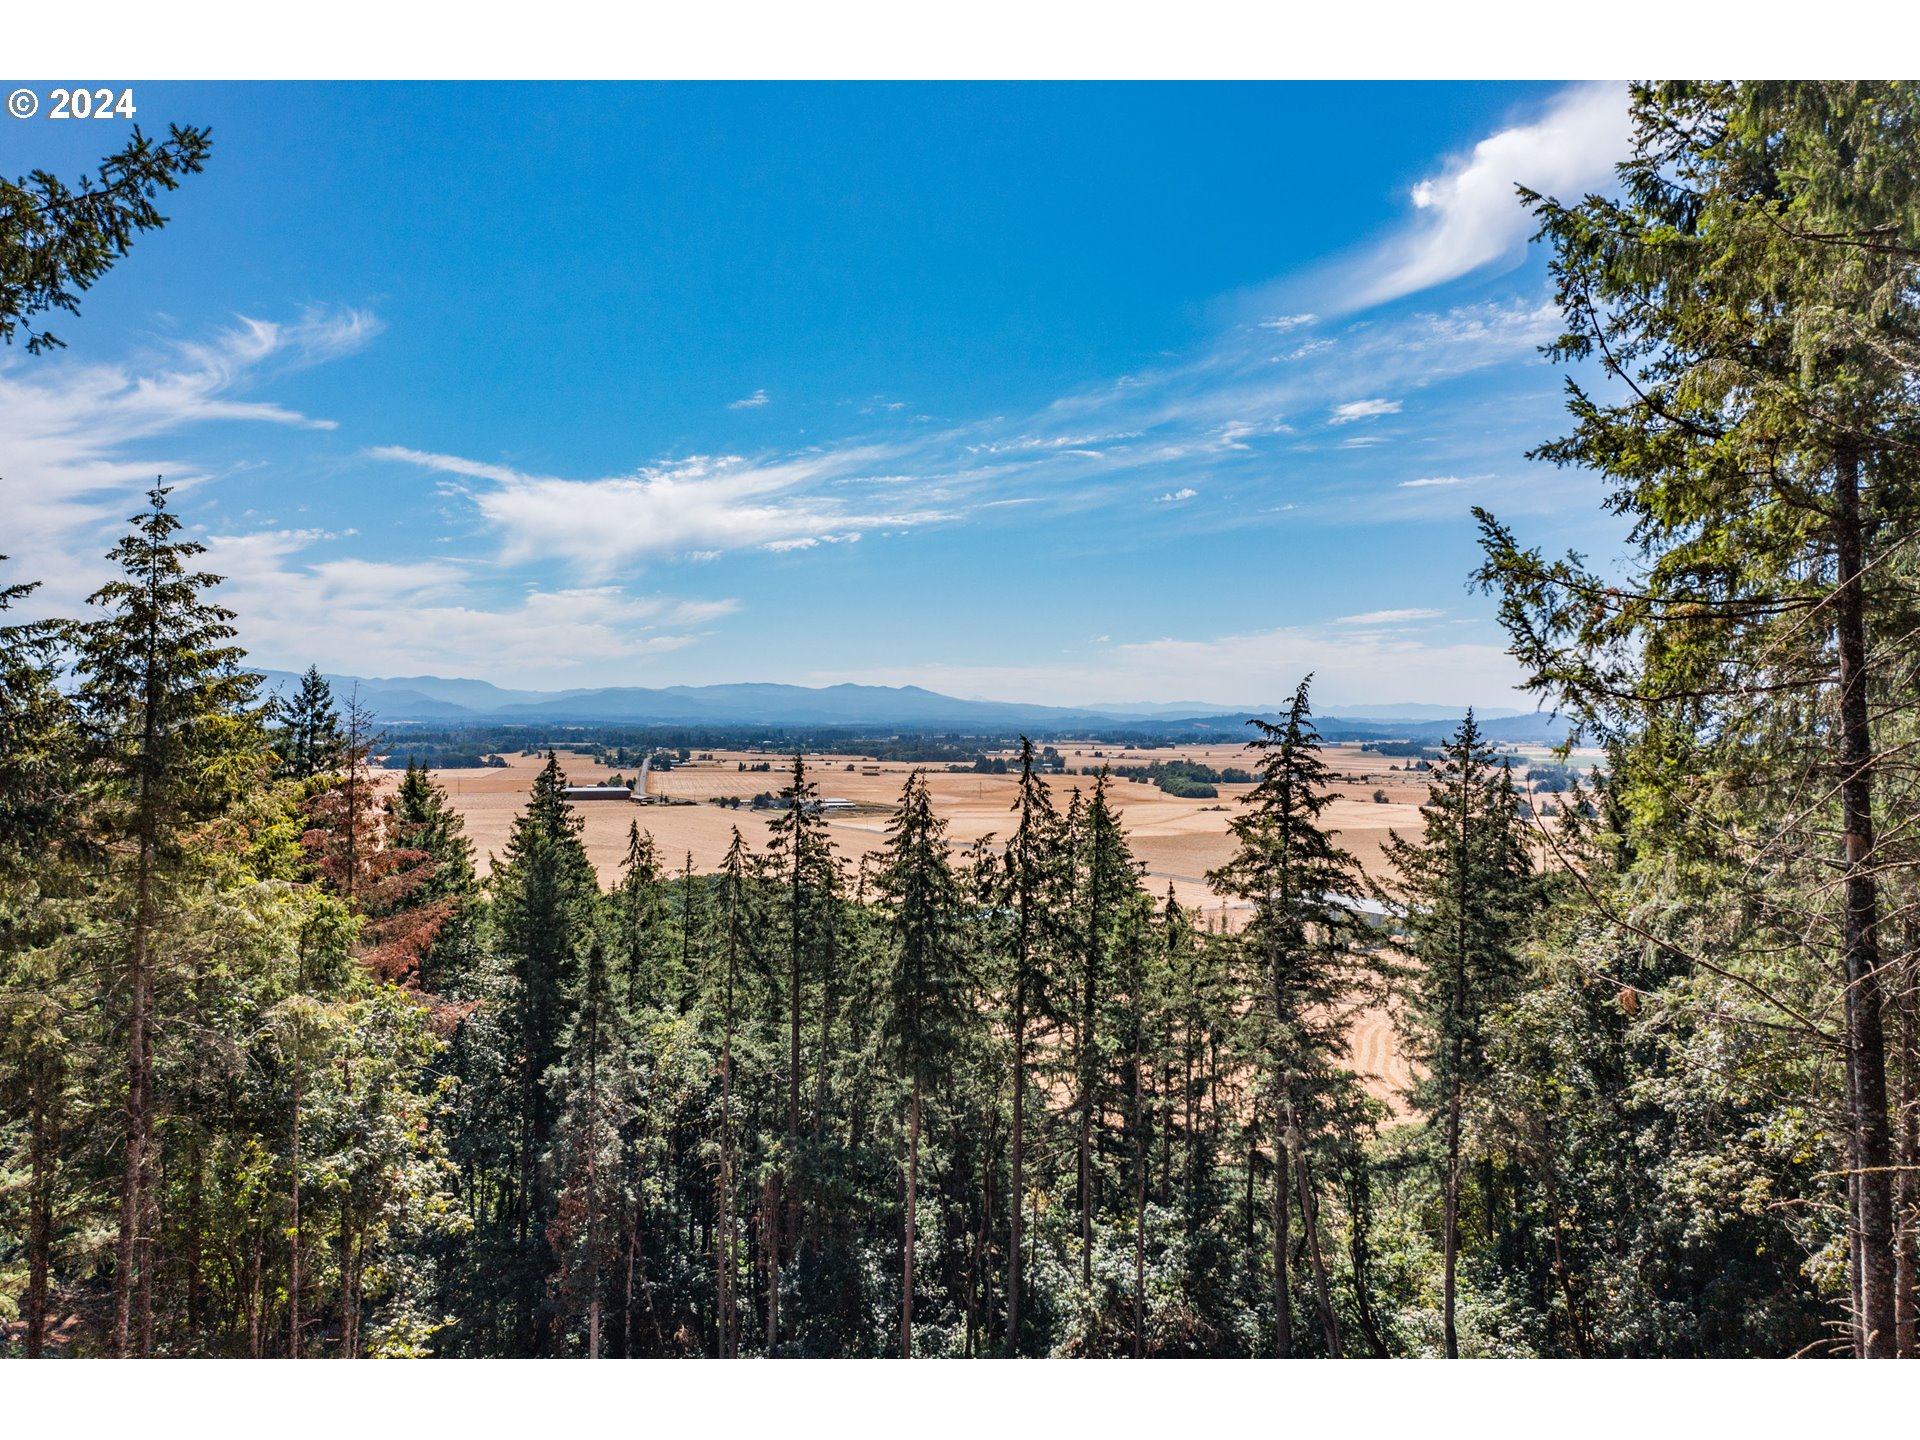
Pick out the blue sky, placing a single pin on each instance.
(1073, 394)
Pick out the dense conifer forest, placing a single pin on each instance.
(283, 1076)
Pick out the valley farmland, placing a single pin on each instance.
(1176, 840)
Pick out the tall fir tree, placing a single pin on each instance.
(1105, 891)
(307, 738)
(1298, 972)
(1464, 891)
(1750, 288)
(800, 852)
(927, 998)
(643, 948)
(42, 888)
(543, 899)
(175, 738)
(1034, 892)
(592, 1088)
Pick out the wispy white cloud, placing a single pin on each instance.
(1390, 617)
(809, 542)
(1362, 410)
(1175, 496)
(696, 504)
(1432, 480)
(1467, 216)
(750, 402)
(407, 617)
(77, 437)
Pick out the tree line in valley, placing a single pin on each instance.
(284, 1075)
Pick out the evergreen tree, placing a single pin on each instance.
(38, 738)
(1033, 890)
(801, 854)
(1465, 891)
(174, 739)
(1752, 288)
(41, 880)
(543, 907)
(1298, 971)
(41, 885)
(592, 1092)
(643, 946)
(307, 737)
(421, 820)
(736, 962)
(1105, 891)
(927, 1000)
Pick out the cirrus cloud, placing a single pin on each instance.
(700, 504)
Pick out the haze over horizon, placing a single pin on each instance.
(1040, 394)
(459, 689)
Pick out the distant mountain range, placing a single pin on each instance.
(431, 699)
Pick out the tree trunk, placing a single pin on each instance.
(1310, 1227)
(1906, 1290)
(1866, 1044)
(1456, 1060)
(1139, 1213)
(196, 1230)
(979, 1271)
(1360, 1208)
(906, 1265)
(133, 1158)
(293, 1254)
(1856, 1302)
(1086, 1188)
(148, 1250)
(349, 1291)
(793, 1001)
(770, 1253)
(1282, 1242)
(1450, 1218)
(726, 1260)
(1019, 1187)
(40, 1204)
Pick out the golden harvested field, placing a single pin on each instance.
(1178, 840)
